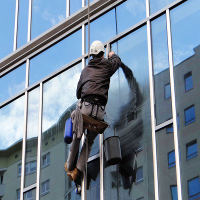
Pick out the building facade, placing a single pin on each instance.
(155, 112)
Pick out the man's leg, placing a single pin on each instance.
(73, 153)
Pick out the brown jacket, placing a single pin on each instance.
(95, 77)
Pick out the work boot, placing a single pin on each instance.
(73, 175)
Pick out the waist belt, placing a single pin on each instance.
(95, 99)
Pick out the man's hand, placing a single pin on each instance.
(111, 54)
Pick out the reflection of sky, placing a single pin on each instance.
(22, 23)
(45, 14)
(156, 5)
(75, 5)
(12, 83)
(185, 30)
(7, 24)
(59, 94)
(33, 113)
(130, 13)
(11, 123)
(159, 41)
(55, 57)
(102, 28)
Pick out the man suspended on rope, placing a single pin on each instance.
(92, 89)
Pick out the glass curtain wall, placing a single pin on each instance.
(128, 112)
(186, 55)
(59, 100)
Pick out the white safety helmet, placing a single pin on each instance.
(96, 47)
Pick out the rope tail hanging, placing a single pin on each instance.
(88, 30)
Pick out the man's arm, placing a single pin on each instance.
(79, 89)
(115, 62)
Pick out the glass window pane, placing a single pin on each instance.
(11, 136)
(171, 159)
(130, 13)
(12, 83)
(194, 188)
(7, 24)
(128, 115)
(45, 14)
(186, 55)
(30, 195)
(191, 149)
(59, 100)
(174, 192)
(188, 81)
(55, 57)
(161, 70)
(75, 5)
(22, 23)
(102, 29)
(156, 5)
(32, 135)
(189, 115)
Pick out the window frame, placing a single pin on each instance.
(193, 196)
(141, 179)
(188, 157)
(165, 86)
(173, 164)
(187, 75)
(46, 191)
(45, 157)
(192, 120)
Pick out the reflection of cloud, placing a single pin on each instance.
(11, 123)
(15, 88)
(181, 52)
(59, 94)
(136, 7)
(33, 114)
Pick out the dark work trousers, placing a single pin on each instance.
(94, 111)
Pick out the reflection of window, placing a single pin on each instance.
(191, 149)
(174, 192)
(188, 81)
(46, 160)
(1, 179)
(171, 159)
(45, 187)
(189, 115)
(194, 188)
(169, 128)
(30, 167)
(28, 195)
(18, 194)
(139, 175)
(167, 91)
(19, 170)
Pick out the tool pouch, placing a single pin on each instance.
(68, 134)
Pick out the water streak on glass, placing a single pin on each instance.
(46, 14)
(7, 24)
(22, 23)
(186, 55)
(55, 57)
(12, 83)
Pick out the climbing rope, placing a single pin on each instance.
(88, 31)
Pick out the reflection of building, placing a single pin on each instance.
(187, 96)
(56, 49)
